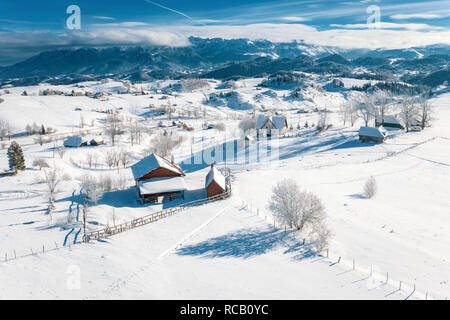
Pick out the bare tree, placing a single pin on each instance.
(322, 124)
(53, 176)
(109, 156)
(123, 157)
(425, 111)
(408, 112)
(366, 108)
(382, 105)
(370, 187)
(40, 163)
(112, 127)
(5, 129)
(164, 142)
(61, 151)
(89, 159)
(91, 188)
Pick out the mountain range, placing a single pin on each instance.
(228, 58)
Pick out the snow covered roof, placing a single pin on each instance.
(152, 162)
(372, 132)
(217, 176)
(277, 121)
(73, 142)
(261, 121)
(162, 185)
(388, 119)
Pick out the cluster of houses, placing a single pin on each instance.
(379, 132)
(78, 141)
(158, 179)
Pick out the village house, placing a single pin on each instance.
(266, 126)
(158, 179)
(388, 121)
(74, 142)
(215, 183)
(371, 134)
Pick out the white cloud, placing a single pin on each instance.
(126, 24)
(345, 38)
(296, 19)
(417, 16)
(103, 18)
(390, 25)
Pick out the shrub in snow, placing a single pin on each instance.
(15, 157)
(220, 126)
(301, 210)
(40, 163)
(370, 188)
(247, 124)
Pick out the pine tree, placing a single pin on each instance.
(15, 157)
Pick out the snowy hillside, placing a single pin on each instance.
(227, 249)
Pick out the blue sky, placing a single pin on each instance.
(27, 27)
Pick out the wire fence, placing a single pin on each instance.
(372, 273)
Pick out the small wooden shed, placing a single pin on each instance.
(215, 183)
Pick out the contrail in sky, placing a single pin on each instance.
(172, 10)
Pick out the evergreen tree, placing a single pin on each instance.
(42, 129)
(15, 157)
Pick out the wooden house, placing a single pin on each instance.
(158, 179)
(269, 125)
(371, 134)
(215, 183)
(388, 121)
(74, 142)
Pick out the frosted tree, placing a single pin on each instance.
(53, 177)
(16, 158)
(370, 187)
(366, 108)
(425, 111)
(40, 163)
(409, 112)
(112, 127)
(301, 210)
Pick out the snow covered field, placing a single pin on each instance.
(222, 250)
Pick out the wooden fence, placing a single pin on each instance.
(109, 231)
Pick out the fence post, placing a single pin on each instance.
(387, 277)
(400, 286)
(353, 264)
(327, 253)
(43, 249)
(15, 257)
(6, 257)
(339, 260)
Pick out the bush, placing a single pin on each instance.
(370, 188)
(40, 163)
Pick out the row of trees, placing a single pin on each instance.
(411, 111)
